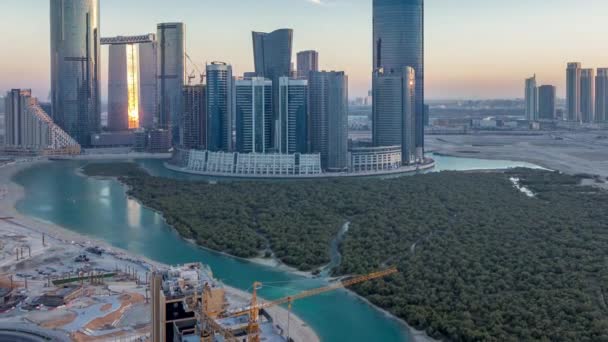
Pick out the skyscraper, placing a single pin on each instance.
(398, 42)
(573, 92)
(546, 102)
(531, 99)
(329, 118)
(131, 81)
(171, 76)
(75, 67)
(272, 53)
(393, 119)
(193, 128)
(123, 87)
(147, 83)
(253, 115)
(601, 95)
(308, 61)
(588, 95)
(219, 106)
(292, 135)
(272, 59)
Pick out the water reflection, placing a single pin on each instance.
(133, 213)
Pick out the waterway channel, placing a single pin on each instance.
(100, 209)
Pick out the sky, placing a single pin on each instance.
(474, 49)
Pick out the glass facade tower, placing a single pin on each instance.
(601, 95)
(308, 61)
(253, 115)
(292, 135)
(75, 67)
(398, 42)
(546, 102)
(394, 122)
(573, 92)
(171, 72)
(219, 106)
(272, 60)
(588, 95)
(329, 118)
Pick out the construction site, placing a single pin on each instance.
(55, 288)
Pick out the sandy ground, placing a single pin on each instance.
(30, 229)
(568, 152)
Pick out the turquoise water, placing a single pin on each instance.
(444, 163)
(99, 208)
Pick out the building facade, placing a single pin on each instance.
(272, 59)
(75, 67)
(29, 128)
(588, 95)
(253, 115)
(601, 95)
(292, 133)
(398, 42)
(272, 53)
(171, 61)
(123, 87)
(193, 128)
(264, 165)
(531, 99)
(308, 61)
(546, 102)
(131, 81)
(148, 103)
(329, 118)
(573, 92)
(373, 159)
(393, 114)
(219, 107)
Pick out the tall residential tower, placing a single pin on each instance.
(329, 118)
(588, 95)
(75, 67)
(531, 98)
(573, 92)
(219, 106)
(601, 95)
(253, 115)
(546, 103)
(292, 132)
(272, 59)
(308, 61)
(398, 42)
(171, 72)
(394, 122)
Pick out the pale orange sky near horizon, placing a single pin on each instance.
(474, 48)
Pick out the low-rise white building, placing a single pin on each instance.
(365, 159)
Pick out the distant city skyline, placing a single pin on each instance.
(482, 58)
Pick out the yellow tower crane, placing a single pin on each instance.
(253, 328)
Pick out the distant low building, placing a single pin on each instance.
(113, 139)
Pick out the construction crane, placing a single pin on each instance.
(206, 318)
(253, 328)
(192, 76)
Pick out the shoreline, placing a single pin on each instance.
(415, 335)
(13, 193)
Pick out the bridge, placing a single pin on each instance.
(122, 40)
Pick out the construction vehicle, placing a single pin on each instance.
(253, 328)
